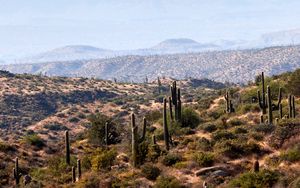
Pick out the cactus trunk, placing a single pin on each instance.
(144, 128)
(262, 99)
(67, 142)
(106, 133)
(270, 112)
(79, 168)
(165, 125)
(134, 140)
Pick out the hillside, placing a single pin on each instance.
(231, 66)
(208, 141)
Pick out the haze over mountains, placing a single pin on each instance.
(222, 61)
(169, 46)
(238, 66)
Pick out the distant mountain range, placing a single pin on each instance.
(238, 66)
(170, 46)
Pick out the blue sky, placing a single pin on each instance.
(31, 26)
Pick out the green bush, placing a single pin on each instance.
(55, 126)
(235, 122)
(209, 128)
(6, 147)
(262, 179)
(204, 159)
(190, 118)
(34, 140)
(103, 160)
(167, 182)
(150, 172)
(291, 155)
(171, 159)
(96, 133)
(222, 135)
(153, 153)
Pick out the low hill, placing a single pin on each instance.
(238, 66)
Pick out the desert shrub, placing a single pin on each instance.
(55, 126)
(103, 159)
(86, 163)
(240, 130)
(34, 140)
(153, 153)
(167, 182)
(190, 118)
(209, 127)
(150, 171)
(262, 179)
(143, 149)
(4, 147)
(264, 128)
(291, 155)
(294, 82)
(295, 183)
(171, 159)
(216, 114)
(204, 144)
(222, 135)
(236, 148)
(74, 120)
(96, 133)
(204, 159)
(235, 122)
(153, 116)
(81, 116)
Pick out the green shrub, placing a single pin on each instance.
(6, 147)
(96, 133)
(235, 122)
(190, 118)
(150, 172)
(55, 126)
(222, 135)
(262, 179)
(291, 155)
(103, 160)
(240, 130)
(153, 153)
(204, 159)
(74, 120)
(34, 140)
(167, 182)
(171, 159)
(209, 127)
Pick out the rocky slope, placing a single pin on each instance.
(233, 66)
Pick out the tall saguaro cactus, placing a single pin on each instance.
(280, 111)
(179, 104)
(165, 125)
(292, 108)
(171, 108)
(73, 174)
(16, 172)
(106, 134)
(144, 128)
(134, 143)
(67, 143)
(262, 99)
(79, 168)
(229, 105)
(270, 111)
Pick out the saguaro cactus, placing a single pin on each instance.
(262, 99)
(171, 108)
(262, 119)
(79, 168)
(144, 128)
(106, 134)
(153, 140)
(280, 111)
(229, 105)
(67, 142)
(256, 166)
(294, 107)
(159, 85)
(270, 111)
(165, 125)
(73, 174)
(16, 171)
(179, 104)
(277, 107)
(134, 143)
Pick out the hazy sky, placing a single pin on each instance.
(29, 26)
